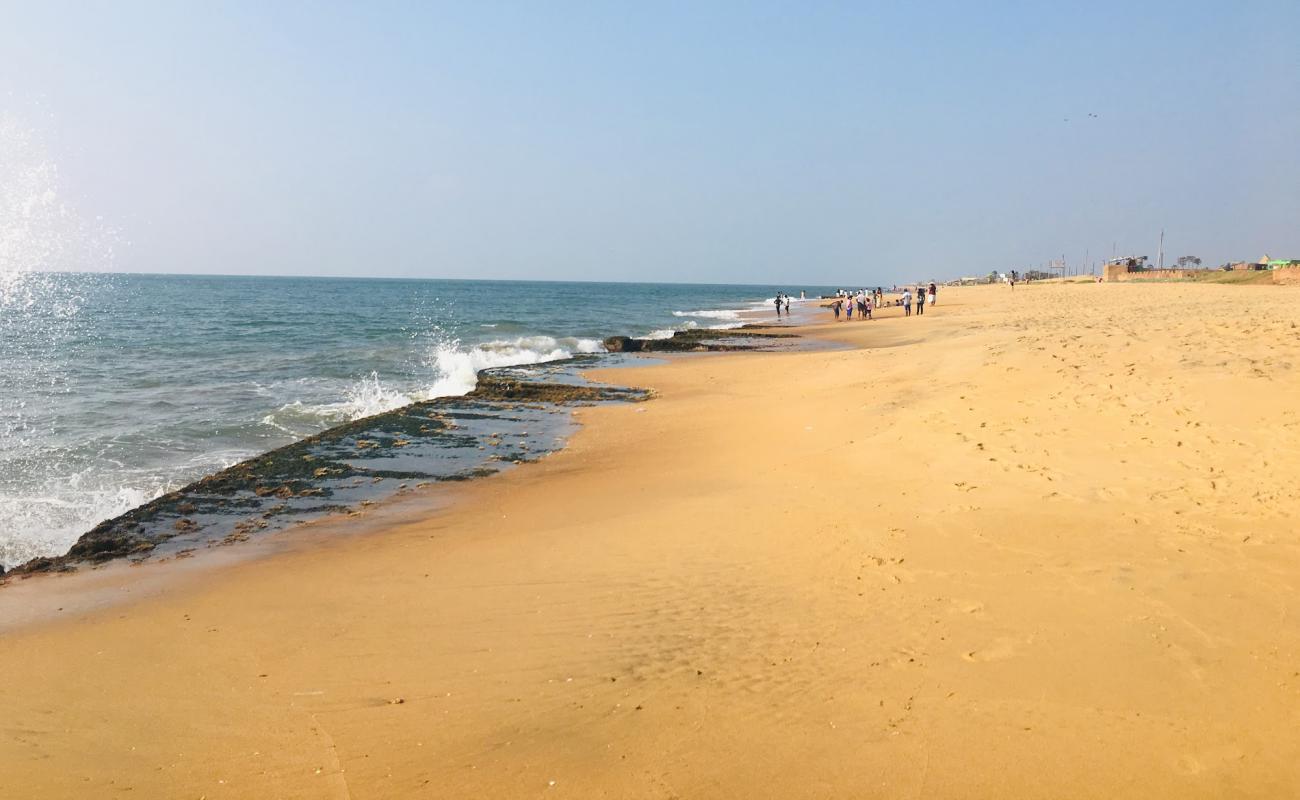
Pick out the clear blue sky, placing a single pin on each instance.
(736, 142)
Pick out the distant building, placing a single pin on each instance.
(1116, 268)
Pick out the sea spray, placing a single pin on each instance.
(458, 366)
(453, 370)
(46, 499)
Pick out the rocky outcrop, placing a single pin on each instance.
(496, 388)
(303, 477)
(696, 340)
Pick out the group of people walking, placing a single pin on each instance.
(923, 294)
(862, 301)
(865, 300)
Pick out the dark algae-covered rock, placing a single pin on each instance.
(623, 344)
(492, 387)
(697, 340)
(503, 420)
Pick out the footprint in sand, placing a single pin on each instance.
(999, 650)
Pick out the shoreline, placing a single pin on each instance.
(47, 589)
(336, 470)
(975, 542)
(114, 432)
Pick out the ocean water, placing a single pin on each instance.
(116, 388)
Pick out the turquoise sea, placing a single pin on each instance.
(116, 388)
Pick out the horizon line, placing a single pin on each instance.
(418, 278)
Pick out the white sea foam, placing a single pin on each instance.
(458, 367)
(365, 398)
(52, 516)
(49, 520)
(455, 371)
(711, 313)
(369, 396)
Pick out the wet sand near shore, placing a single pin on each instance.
(1037, 543)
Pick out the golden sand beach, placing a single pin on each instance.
(1035, 543)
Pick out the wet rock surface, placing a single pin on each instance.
(503, 388)
(748, 337)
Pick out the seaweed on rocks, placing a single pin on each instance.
(697, 340)
(494, 387)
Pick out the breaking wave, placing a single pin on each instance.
(365, 398)
(454, 372)
(710, 313)
(458, 367)
(52, 519)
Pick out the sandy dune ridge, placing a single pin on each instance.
(1036, 543)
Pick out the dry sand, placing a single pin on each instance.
(1032, 544)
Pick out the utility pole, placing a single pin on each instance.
(1160, 262)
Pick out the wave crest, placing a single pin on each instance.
(711, 313)
(456, 373)
(458, 368)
